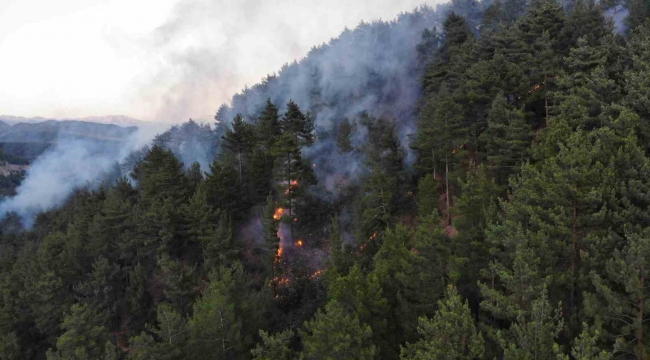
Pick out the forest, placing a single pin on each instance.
(502, 212)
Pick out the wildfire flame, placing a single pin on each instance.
(278, 213)
(317, 273)
(292, 185)
(373, 236)
(299, 243)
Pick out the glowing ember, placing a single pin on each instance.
(299, 243)
(278, 213)
(295, 219)
(317, 273)
(314, 165)
(294, 183)
(373, 236)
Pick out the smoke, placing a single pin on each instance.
(373, 69)
(208, 50)
(64, 167)
(618, 14)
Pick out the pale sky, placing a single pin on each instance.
(158, 59)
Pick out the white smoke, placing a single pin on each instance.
(208, 50)
(66, 166)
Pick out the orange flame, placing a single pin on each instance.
(278, 213)
(299, 243)
(373, 236)
(317, 273)
(295, 219)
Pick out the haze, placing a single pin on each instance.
(165, 60)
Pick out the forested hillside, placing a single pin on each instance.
(496, 207)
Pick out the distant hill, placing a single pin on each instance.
(4, 127)
(53, 131)
(109, 119)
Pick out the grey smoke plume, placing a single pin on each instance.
(67, 165)
(372, 69)
(208, 50)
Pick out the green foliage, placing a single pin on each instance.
(84, 336)
(450, 334)
(528, 187)
(273, 347)
(336, 334)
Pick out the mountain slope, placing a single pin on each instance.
(52, 131)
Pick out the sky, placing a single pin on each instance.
(158, 60)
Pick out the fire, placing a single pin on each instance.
(317, 273)
(373, 236)
(294, 183)
(295, 219)
(299, 243)
(314, 165)
(278, 213)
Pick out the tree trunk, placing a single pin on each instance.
(240, 167)
(574, 250)
(433, 156)
(640, 348)
(447, 186)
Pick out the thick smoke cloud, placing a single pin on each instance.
(372, 69)
(208, 50)
(64, 167)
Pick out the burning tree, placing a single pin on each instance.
(292, 172)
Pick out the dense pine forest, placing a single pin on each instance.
(502, 211)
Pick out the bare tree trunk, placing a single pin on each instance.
(447, 186)
(574, 250)
(640, 348)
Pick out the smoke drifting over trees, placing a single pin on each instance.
(469, 182)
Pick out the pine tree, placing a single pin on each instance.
(84, 336)
(506, 139)
(585, 347)
(381, 197)
(622, 293)
(214, 328)
(427, 198)
(343, 141)
(239, 141)
(336, 334)
(441, 134)
(268, 125)
(273, 347)
(363, 295)
(534, 333)
(450, 334)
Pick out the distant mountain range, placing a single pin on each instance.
(53, 131)
(110, 119)
(27, 138)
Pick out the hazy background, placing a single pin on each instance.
(164, 60)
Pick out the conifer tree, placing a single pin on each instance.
(336, 334)
(622, 292)
(214, 327)
(84, 336)
(343, 141)
(273, 347)
(239, 141)
(450, 334)
(506, 139)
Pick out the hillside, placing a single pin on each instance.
(52, 131)
(470, 182)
